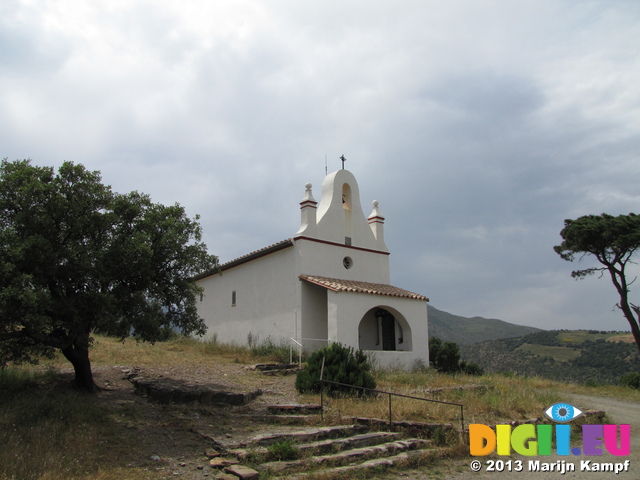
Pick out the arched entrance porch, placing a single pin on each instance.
(384, 328)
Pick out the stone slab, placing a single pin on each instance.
(245, 473)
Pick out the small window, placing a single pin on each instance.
(347, 262)
(233, 298)
(347, 241)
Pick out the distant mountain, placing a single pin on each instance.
(465, 331)
(579, 356)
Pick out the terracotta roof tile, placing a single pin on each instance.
(339, 285)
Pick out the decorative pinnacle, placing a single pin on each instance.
(308, 196)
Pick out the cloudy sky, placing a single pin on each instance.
(479, 126)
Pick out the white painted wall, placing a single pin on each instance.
(314, 312)
(327, 260)
(346, 310)
(265, 300)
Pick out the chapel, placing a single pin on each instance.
(329, 283)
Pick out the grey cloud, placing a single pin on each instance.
(478, 126)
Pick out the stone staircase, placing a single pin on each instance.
(361, 445)
(276, 368)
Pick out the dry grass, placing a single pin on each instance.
(181, 350)
(489, 399)
(49, 432)
(177, 351)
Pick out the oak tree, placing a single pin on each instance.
(77, 258)
(613, 241)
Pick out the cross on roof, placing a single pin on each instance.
(343, 160)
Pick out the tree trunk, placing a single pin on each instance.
(78, 355)
(620, 282)
(633, 322)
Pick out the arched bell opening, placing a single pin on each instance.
(386, 329)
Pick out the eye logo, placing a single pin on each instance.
(562, 412)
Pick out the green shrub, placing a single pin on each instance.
(471, 368)
(631, 379)
(342, 364)
(445, 358)
(284, 450)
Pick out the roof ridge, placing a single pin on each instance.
(282, 243)
(288, 242)
(358, 286)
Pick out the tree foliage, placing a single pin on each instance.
(342, 365)
(77, 258)
(445, 358)
(613, 241)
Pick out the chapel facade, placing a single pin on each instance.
(330, 282)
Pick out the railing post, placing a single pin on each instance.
(322, 390)
(292, 341)
(391, 394)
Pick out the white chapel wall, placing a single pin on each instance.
(346, 309)
(313, 309)
(327, 260)
(265, 295)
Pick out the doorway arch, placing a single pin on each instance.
(384, 328)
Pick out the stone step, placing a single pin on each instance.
(322, 446)
(309, 435)
(411, 428)
(354, 441)
(347, 456)
(281, 371)
(269, 367)
(372, 464)
(242, 472)
(294, 409)
(168, 390)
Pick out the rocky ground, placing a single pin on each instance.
(172, 439)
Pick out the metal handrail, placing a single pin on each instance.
(300, 346)
(299, 351)
(323, 381)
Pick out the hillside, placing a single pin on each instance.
(465, 331)
(578, 356)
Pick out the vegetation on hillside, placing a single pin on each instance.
(581, 357)
(464, 331)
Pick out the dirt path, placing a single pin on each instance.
(618, 411)
(170, 440)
